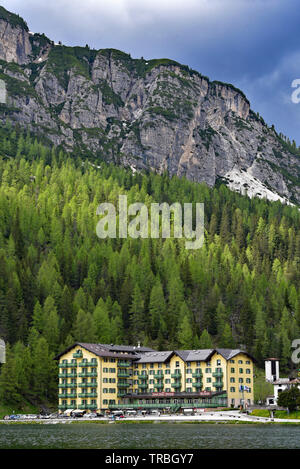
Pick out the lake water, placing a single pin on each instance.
(148, 436)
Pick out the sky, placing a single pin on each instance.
(253, 44)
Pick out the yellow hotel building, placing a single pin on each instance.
(99, 377)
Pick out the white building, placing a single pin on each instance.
(279, 384)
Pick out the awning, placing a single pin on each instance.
(77, 411)
(68, 411)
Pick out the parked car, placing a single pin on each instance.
(14, 417)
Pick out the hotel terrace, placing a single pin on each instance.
(100, 377)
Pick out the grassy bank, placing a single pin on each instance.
(278, 414)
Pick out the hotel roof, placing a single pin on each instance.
(155, 357)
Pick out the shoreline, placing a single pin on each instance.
(208, 417)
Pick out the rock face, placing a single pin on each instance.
(14, 38)
(154, 114)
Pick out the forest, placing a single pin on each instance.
(60, 283)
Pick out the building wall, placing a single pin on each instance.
(111, 379)
(243, 376)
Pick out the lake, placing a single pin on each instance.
(148, 436)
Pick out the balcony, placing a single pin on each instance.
(218, 384)
(121, 394)
(66, 406)
(124, 364)
(176, 375)
(121, 384)
(87, 394)
(82, 364)
(67, 375)
(158, 376)
(145, 376)
(197, 374)
(77, 354)
(197, 385)
(66, 365)
(87, 385)
(218, 374)
(176, 385)
(143, 385)
(67, 385)
(88, 375)
(87, 406)
(159, 385)
(123, 375)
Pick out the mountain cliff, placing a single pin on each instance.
(144, 114)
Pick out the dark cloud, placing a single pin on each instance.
(251, 43)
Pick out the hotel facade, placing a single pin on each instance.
(101, 377)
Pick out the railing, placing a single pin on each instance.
(123, 375)
(143, 385)
(176, 375)
(123, 385)
(88, 375)
(67, 375)
(87, 406)
(67, 365)
(66, 406)
(77, 354)
(87, 394)
(197, 385)
(176, 385)
(197, 374)
(67, 385)
(87, 385)
(218, 374)
(158, 376)
(123, 364)
(87, 364)
(218, 384)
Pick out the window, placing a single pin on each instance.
(189, 380)
(167, 372)
(105, 370)
(232, 389)
(218, 362)
(208, 363)
(112, 370)
(177, 364)
(208, 380)
(188, 364)
(232, 370)
(232, 380)
(168, 381)
(207, 370)
(248, 371)
(231, 361)
(241, 380)
(240, 362)
(198, 363)
(248, 380)
(160, 365)
(241, 370)
(189, 371)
